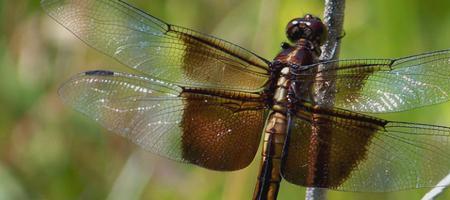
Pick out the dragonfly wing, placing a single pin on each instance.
(340, 150)
(384, 85)
(213, 132)
(166, 52)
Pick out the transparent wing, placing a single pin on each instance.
(212, 132)
(164, 51)
(385, 85)
(355, 152)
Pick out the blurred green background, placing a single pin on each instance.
(48, 151)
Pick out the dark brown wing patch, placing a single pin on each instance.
(219, 133)
(325, 148)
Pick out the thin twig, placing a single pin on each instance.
(436, 191)
(324, 93)
(333, 18)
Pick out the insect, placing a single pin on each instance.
(198, 99)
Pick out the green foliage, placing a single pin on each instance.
(48, 151)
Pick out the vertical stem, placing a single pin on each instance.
(436, 191)
(334, 19)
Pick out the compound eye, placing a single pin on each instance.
(319, 31)
(309, 27)
(294, 31)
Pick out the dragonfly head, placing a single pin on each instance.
(308, 27)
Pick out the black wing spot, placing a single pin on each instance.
(99, 73)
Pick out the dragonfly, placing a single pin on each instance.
(198, 99)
